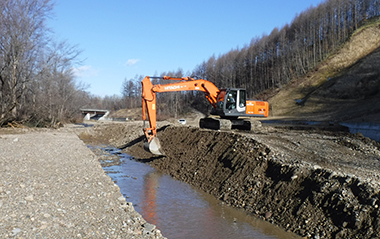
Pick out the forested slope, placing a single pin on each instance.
(319, 44)
(344, 87)
(288, 53)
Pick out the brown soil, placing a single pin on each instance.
(316, 183)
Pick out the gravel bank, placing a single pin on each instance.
(52, 186)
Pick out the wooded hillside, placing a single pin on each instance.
(344, 87)
(270, 61)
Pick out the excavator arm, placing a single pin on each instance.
(149, 102)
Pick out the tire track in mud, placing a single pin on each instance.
(310, 201)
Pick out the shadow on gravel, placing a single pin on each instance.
(85, 125)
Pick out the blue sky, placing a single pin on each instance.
(124, 38)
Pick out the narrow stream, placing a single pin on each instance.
(181, 211)
(370, 130)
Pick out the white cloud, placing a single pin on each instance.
(132, 62)
(85, 71)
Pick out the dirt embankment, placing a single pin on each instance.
(318, 184)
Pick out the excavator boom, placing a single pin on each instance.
(149, 102)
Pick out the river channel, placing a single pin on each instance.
(370, 130)
(181, 211)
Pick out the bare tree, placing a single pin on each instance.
(131, 92)
(22, 38)
(36, 73)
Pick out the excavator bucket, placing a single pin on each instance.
(154, 147)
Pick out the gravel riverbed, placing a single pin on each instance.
(53, 186)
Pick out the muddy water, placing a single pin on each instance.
(181, 211)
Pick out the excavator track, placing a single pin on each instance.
(224, 124)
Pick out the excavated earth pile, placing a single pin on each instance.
(317, 184)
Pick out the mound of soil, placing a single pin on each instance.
(318, 184)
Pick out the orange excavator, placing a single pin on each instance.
(229, 104)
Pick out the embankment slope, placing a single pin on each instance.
(317, 184)
(313, 191)
(344, 87)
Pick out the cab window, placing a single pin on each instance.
(242, 99)
(231, 100)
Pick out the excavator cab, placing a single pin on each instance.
(231, 103)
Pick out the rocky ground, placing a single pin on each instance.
(319, 181)
(316, 181)
(52, 186)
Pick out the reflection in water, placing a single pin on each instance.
(149, 200)
(181, 211)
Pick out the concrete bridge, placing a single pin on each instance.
(94, 114)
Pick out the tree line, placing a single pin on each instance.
(287, 53)
(37, 83)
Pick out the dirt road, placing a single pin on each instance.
(319, 184)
